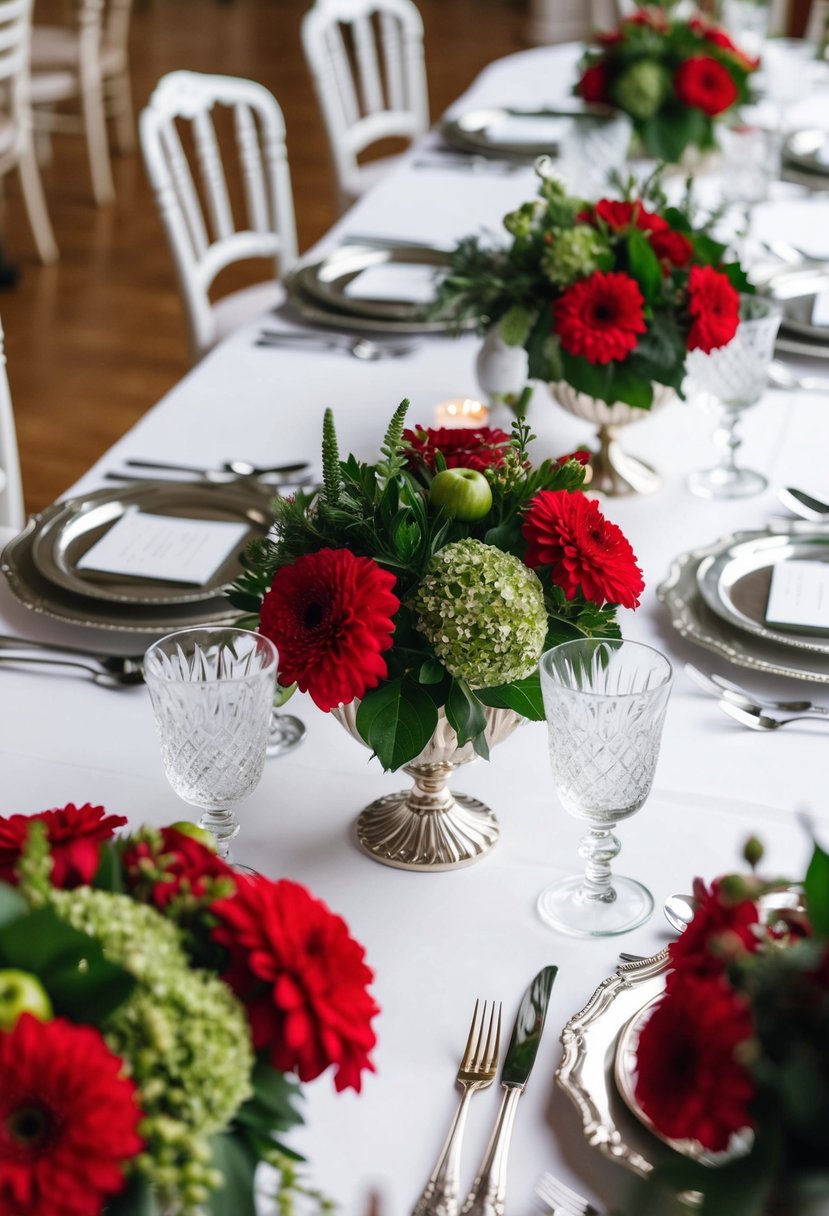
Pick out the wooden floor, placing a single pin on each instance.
(94, 341)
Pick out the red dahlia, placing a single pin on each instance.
(689, 1080)
(719, 928)
(68, 1120)
(600, 317)
(714, 308)
(75, 835)
(480, 447)
(585, 552)
(619, 215)
(593, 85)
(705, 83)
(330, 616)
(302, 979)
(179, 865)
(672, 248)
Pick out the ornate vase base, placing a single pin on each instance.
(617, 473)
(394, 833)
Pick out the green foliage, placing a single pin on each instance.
(816, 889)
(397, 720)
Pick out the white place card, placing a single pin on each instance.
(820, 309)
(799, 595)
(405, 283)
(165, 548)
(528, 129)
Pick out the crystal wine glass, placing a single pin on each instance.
(212, 693)
(605, 703)
(736, 376)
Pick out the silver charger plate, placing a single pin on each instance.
(795, 288)
(694, 620)
(473, 131)
(734, 583)
(326, 280)
(312, 310)
(70, 528)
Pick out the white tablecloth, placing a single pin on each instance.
(437, 942)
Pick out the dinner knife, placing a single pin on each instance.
(490, 1186)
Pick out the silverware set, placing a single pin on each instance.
(479, 1064)
(365, 349)
(560, 1200)
(278, 477)
(756, 712)
(110, 671)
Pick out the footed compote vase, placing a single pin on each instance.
(615, 471)
(428, 827)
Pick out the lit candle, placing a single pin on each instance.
(461, 411)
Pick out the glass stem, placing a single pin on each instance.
(727, 440)
(598, 848)
(223, 826)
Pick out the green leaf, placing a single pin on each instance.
(816, 887)
(237, 1161)
(109, 875)
(644, 264)
(12, 904)
(465, 712)
(668, 133)
(524, 696)
(431, 672)
(536, 347)
(272, 1107)
(397, 720)
(135, 1200)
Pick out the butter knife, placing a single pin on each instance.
(489, 1189)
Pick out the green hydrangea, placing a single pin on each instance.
(641, 89)
(574, 253)
(182, 1034)
(482, 611)
(522, 221)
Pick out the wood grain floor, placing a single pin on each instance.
(95, 341)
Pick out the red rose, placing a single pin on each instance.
(720, 928)
(600, 317)
(705, 83)
(301, 977)
(621, 215)
(653, 17)
(714, 308)
(75, 835)
(479, 447)
(689, 1081)
(330, 616)
(671, 247)
(170, 864)
(585, 552)
(68, 1120)
(593, 85)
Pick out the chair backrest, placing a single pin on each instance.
(12, 513)
(116, 23)
(366, 61)
(192, 189)
(15, 41)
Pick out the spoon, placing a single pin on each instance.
(803, 504)
(756, 719)
(727, 690)
(240, 468)
(781, 376)
(360, 348)
(107, 679)
(679, 911)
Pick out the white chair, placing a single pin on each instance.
(16, 141)
(12, 514)
(86, 63)
(205, 238)
(366, 60)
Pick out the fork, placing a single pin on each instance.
(756, 719)
(477, 1071)
(726, 690)
(561, 1200)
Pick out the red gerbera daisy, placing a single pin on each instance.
(302, 979)
(689, 1080)
(714, 307)
(600, 317)
(672, 248)
(619, 215)
(68, 1120)
(720, 926)
(480, 447)
(705, 83)
(75, 835)
(593, 85)
(330, 616)
(173, 865)
(585, 552)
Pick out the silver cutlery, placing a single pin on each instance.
(214, 477)
(561, 1200)
(111, 662)
(781, 376)
(107, 679)
(392, 242)
(358, 348)
(678, 911)
(727, 690)
(468, 164)
(238, 468)
(803, 504)
(757, 719)
(477, 1071)
(489, 1188)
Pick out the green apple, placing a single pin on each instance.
(463, 493)
(21, 992)
(192, 829)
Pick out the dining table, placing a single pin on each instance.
(436, 942)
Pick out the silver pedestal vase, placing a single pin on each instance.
(427, 827)
(615, 471)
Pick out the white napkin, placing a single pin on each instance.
(406, 283)
(528, 129)
(164, 548)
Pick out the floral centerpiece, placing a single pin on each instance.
(156, 1010)
(740, 1042)
(421, 589)
(674, 78)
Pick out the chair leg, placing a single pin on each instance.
(120, 107)
(94, 121)
(35, 204)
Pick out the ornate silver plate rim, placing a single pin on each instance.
(68, 530)
(326, 279)
(468, 131)
(694, 620)
(313, 311)
(719, 573)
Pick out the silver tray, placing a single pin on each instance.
(70, 528)
(734, 582)
(470, 131)
(35, 592)
(314, 311)
(327, 279)
(803, 148)
(694, 620)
